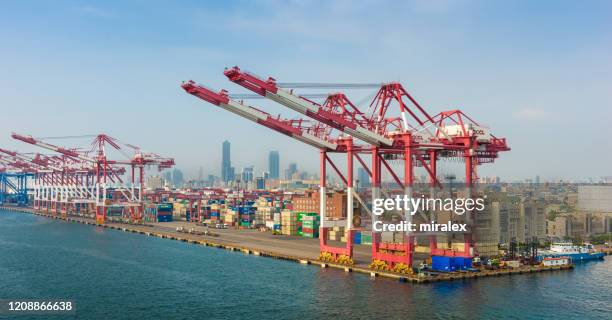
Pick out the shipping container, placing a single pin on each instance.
(357, 237)
(441, 263)
(164, 207)
(164, 218)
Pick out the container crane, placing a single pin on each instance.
(288, 127)
(272, 91)
(222, 100)
(100, 177)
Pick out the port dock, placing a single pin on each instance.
(297, 249)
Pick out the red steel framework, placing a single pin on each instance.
(411, 135)
(90, 181)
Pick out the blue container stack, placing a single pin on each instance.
(448, 264)
(164, 212)
(215, 215)
(462, 263)
(246, 215)
(357, 237)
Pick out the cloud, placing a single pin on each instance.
(531, 114)
(94, 11)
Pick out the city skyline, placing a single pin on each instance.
(511, 77)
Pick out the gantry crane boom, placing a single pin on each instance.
(222, 100)
(48, 146)
(21, 165)
(34, 160)
(272, 91)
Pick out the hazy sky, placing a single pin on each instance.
(536, 72)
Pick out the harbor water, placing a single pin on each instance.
(112, 274)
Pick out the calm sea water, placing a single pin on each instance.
(115, 275)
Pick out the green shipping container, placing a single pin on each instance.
(311, 235)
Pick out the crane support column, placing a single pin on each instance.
(408, 184)
(376, 236)
(323, 199)
(433, 242)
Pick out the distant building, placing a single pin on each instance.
(534, 219)
(364, 178)
(177, 178)
(274, 165)
(227, 173)
(595, 198)
(260, 183)
(168, 177)
(488, 231)
(594, 204)
(336, 203)
(560, 227)
(519, 219)
(200, 174)
(154, 182)
(247, 174)
(291, 171)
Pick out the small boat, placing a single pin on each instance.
(573, 252)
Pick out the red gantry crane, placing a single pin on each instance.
(99, 178)
(398, 128)
(316, 136)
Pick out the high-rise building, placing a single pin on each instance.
(200, 174)
(247, 174)
(154, 182)
(363, 177)
(231, 175)
(260, 183)
(226, 163)
(291, 171)
(168, 177)
(274, 165)
(177, 178)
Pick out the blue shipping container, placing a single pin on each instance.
(164, 218)
(164, 207)
(357, 238)
(441, 263)
(461, 263)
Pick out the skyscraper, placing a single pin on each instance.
(168, 177)
(274, 165)
(291, 171)
(363, 177)
(247, 174)
(177, 178)
(260, 183)
(226, 163)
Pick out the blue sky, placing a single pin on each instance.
(536, 72)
